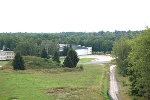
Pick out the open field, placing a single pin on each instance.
(3, 62)
(82, 60)
(85, 85)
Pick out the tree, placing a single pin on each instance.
(68, 63)
(71, 59)
(120, 52)
(140, 65)
(65, 50)
(56, 57)
(44, 53)
(18, 62)
(23, 48)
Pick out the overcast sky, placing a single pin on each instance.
(73, 15)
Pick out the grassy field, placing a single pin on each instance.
(3, 62)
(89, 84)
(82, 60)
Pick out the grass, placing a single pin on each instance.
(3, 62)
(50, 85)
(82, 60)
(105, 83)
(32, 62)
(125, 85)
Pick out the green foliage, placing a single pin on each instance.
(18, 62)
(71, 59)
(32, 62)
(65, 50)
(120, 52)
(32, 44)
(80, 67)
(44, 53)
(68, 62)
(56, 57)
(139, 68)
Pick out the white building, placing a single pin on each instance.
(81, 50)
(6, 55)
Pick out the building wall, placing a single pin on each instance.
(82, 51)
(6, 55)
(2, 55)
(89, 50)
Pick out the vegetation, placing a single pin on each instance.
(18, 62)
(120, 52)
(72, 59)
(56, 57)
(44, 53)
(32, 44)
(132, 58)
(32, 62)
(52, 84)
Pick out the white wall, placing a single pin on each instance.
(2, 55)
(89, 50)
(82, 51)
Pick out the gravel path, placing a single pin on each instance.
(113, 83)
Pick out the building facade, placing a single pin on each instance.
(6, 55)
(81, 50)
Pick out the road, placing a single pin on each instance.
(113, 83)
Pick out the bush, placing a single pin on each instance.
(80, 67)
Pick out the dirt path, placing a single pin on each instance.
(113, 83)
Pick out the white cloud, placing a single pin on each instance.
(73, 15)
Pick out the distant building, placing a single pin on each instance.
(81, 50)
(6, 55)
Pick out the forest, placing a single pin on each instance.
(32, 44)
(132, 57)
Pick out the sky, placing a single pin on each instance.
(73, 15)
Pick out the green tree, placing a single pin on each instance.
(68, 63)
(120, 52)
(44, 53)
(65, 50)
(18, 62)
(140, 65)
(56, 57)
(71, 59)
(23, 48)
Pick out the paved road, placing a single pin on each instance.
(113, 83)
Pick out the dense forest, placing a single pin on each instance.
(133, 60)
(32, 44)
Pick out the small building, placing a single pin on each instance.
(81, 50)
(6, 55)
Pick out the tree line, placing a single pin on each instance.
(32, 44)
(132, 57)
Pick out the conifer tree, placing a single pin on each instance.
(18, 62)
(56, 57)
(71, 59)
(44, 53)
